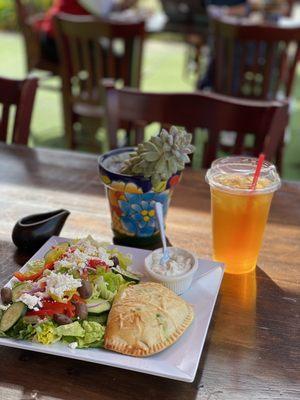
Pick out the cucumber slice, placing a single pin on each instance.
(101, 318)
(56, 252)
(97, 306)
(128, 276)
(19, 289)
(12, 315)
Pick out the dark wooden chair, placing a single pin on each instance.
(20, 94)
(291, 4)
(266, 120)
(91, 49)
(254, 61)
(26, 17)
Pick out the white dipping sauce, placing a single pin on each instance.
(177, 265)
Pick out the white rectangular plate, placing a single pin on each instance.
(180, 361)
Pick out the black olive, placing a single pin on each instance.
(62, 319)
(115, 261)
(81, 310)
(6, 295)
(86, 289)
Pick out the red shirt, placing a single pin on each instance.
(66, 6)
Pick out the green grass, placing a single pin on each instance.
(162, 71)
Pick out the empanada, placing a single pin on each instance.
(145, 319)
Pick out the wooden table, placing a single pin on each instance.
(251, 349)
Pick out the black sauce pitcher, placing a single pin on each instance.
(33, 231)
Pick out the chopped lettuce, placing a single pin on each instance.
(2, 334)
(106, 284)
(100, 290)
(21, 330)
(46, 333)
(113, 281)
(93, 337)
(86, 334)
(73, 329)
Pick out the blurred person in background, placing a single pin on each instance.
(45, 27)
(245, 7)
(229, 7)
(270, 10)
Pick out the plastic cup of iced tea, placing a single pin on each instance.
(239, 213)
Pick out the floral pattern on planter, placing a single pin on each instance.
(118, 189)
(138, 212)
(132, 200)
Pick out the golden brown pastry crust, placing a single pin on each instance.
(145, 319)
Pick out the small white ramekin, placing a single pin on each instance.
(180, 283)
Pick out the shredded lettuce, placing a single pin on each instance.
(106, 284)
(100, 290)
(93, 337)
(21, 330)
(46, 333)
(73, 329)
(86, 334)
(113, 281)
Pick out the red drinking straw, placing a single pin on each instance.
(259, 165)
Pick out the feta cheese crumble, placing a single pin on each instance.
(73, 345)
(78, 255)
(31, 301)
(57, 284)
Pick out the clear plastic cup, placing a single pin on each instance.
(239, 214)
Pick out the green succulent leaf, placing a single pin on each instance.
(161, 157)
(151, 156)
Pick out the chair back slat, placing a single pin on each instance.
(110, 61)
(91, 49)
(87, 65)
(99, 64)
(267, 70)
(219, 58)
(21, 95)
(242, 70)
(214, 112)
(238, 147)
(87, 48)
(74, 55)
(27, 18)
(254, 58)
(292, 68)
(4, 122)
(229, 74)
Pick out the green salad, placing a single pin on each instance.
(67, 295)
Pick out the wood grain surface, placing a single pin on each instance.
(252, 346)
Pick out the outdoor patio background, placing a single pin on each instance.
(162, 71)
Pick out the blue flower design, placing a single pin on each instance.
(138, 212)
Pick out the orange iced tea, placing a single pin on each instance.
(239, 215)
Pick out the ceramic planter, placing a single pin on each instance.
(131, 200)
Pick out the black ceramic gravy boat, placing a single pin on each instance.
(33, 231)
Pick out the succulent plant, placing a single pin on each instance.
(161, 157)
